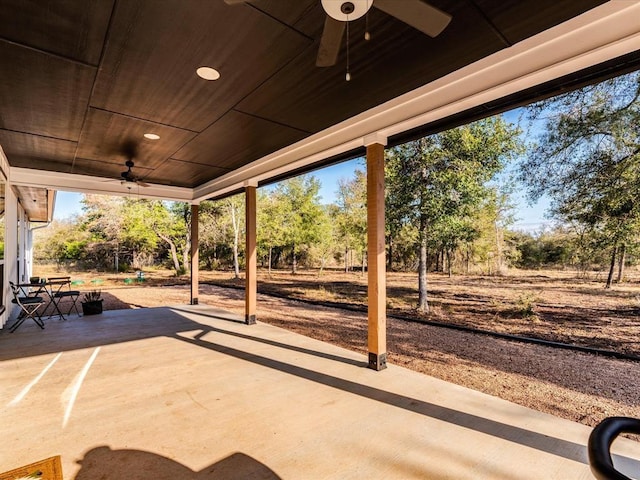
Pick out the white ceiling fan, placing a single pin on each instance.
(416, 13)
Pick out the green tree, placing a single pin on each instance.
(61, 241)
(493, 243)
(301, 211)
(327, 242)
(587, 160)
(351, 216)
(222, 224)
(436, 182)
(235, 209)
(211, 232)
(271, 234)
(169, 221)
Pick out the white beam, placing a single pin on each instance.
(100, 185)
(375, 138)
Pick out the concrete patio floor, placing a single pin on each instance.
(190, 393)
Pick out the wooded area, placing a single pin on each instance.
(449, 204)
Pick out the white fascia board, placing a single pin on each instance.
(99, 185)
(601, 34)
(4, 165)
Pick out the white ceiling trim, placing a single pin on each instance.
(100, 185)
(601, 34)
(4, 166)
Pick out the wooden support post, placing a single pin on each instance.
(377, 303)
(195, 255)
(251, 283)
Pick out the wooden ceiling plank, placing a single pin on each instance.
(517, 20)
(154, 49)
(35, 202)
(183, 174)
(112, 138)
(33, 151)
(74, 29)
(234, 138)
(41, 94)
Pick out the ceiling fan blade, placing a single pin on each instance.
(142, 184)
(236, 2)
(330, 42)
(421, 16)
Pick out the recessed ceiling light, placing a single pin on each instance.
(208, 73)
(151, 136)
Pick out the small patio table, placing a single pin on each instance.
(53, 288)
(57, 289)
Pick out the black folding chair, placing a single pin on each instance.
(29, 306)
(63, 293)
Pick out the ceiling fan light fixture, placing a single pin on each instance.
(344, 10)
(208, 73)
(152, 136)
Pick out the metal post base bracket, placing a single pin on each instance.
(250, 319)
(377, 361)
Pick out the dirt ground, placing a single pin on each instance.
(577, 386)
(553, 306)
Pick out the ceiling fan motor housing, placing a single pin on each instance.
(345, 11)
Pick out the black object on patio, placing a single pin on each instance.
(29, 307)
(600, 442)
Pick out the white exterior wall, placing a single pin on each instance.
(29, 253)
(24, 246)
(14, 219)
(17, 261)
(10, 248)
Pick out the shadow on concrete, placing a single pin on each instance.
(126, 326)
(273, 343)
(554, 446)
(102, 462)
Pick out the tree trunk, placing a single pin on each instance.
(621, 260)
(236, 261)
(449, 262)
(423, 304)
(499, 262)
(611, 268)
(270, 257)
(172, 249)
(294, 263)
(364, 256)
(466, 268)
(346, 259)
(236, 240)
(390, 257)
(174, 254)
(186, 258)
